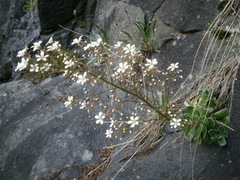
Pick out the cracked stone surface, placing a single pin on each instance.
(39, 134)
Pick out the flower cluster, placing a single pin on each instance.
(122, 67)
(42, 63)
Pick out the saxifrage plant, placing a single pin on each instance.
(204, 121)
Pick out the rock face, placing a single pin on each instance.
(186, 16)
(175, 158)
(53, 13)
(17, 29)
(39, 135)
(115, 16)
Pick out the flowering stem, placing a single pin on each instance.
(134, 94)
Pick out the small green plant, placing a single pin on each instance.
(203, 121)
(146, 31)
(103, 34)
(29, 5)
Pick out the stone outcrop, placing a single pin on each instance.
(17, 29)
(39, 135)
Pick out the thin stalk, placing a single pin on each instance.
(134, 94)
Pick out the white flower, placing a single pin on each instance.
(93, 44)
(82, 78)
(50, 41)
(22, 65)
(173, 66)
(22, 52)
(118, 44)
(77, 40)
(46, 67)
(69, 101)
(151, 63)
(36, 45)
(185, 103)
(34, 68)
(109, 133)
(98, 42)
(41, 56)
(68, 63)
(130, 49)
(54, 46)
(133, 121)
(83, 105)
(122, 67)
(174, 123)
(99, 118)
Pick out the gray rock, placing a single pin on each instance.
(40, 135)
(58, 12)
(55, 13)
(17, 29)
(114, 17)
(187, 16)
(149, 7)
(180, 48)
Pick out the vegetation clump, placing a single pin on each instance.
(203, 121)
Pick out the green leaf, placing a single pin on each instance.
(203, 101)
(199, 141)
(201, 93)
(221, 113)
(185, 116)
(220, 128)
(128, 35)
(209, 123)
(202, 119)
(212, 132)
(226, 120)
(201, 110)
(221, 141)
(207, 139)
(189, 133)
(189, 109)
(225, 135)
(103, 34)
(196, 112)
(213, 138)
(198, 131)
